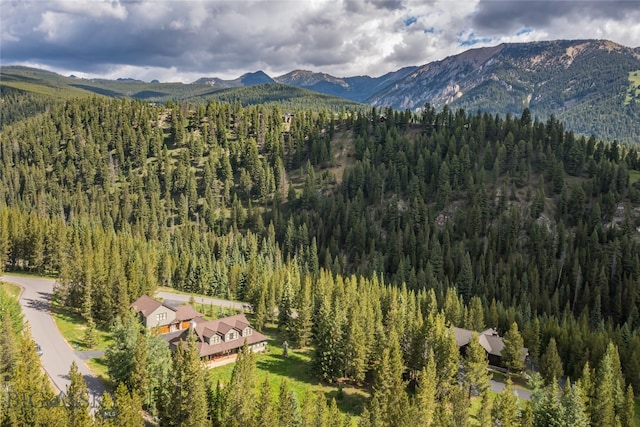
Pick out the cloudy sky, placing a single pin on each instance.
(175, 40)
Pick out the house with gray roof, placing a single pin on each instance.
(489, 340)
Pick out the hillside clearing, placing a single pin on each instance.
(634, 88)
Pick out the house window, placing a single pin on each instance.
(161, 316)
(214, 340)
(232, 336)
(247, 332)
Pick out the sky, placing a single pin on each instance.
(183, 40)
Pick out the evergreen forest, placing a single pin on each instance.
(363, 234)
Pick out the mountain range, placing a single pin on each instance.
(593, 86)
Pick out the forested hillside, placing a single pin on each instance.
(379, 230)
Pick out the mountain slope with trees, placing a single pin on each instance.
(589, 85)
(438, 219)
(582, 82)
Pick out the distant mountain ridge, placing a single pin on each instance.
(357, 88)
(584, 83)
(590, 85)
(247, 79)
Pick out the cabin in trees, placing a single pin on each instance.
(163, 318)
(218, 341)
(489, 340)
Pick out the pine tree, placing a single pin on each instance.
(512, 356)
(120, 355)
(486, 406)
(90, 334)
(285, 308)
(157, 366)
(476, 364)
(464, 281)
(475, 319)
(627, 414)
(128, 408)
(187, 394)
(76, 400)
(607, 389)
(505, 406)
(586, 386)
(106, 414)
(458, 401)
(264, 413)
(304, 322)
(288, 407)
(425, 397)
(11, 312)
(550, 363)
(548, 410)
(389, 387)
(327, 338)
(216, 403)
(334, 416)
(574, 409)
(241, 395)
(139, 376)
(355, 350)
(441, 342)
(32, 384)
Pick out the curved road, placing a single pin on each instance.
(57, 354)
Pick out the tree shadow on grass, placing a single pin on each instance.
(293, 366)
(351, 401)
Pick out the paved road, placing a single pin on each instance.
(498, 387)
(176, 299)
(57, 354)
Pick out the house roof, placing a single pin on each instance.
(222, 326)
(206, 329)
(489, 340)
(186, 312)
(493, 344)
(146, 305)
(463, 336)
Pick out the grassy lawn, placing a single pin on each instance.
(29, 274)
(297, 370)
(212, 312)
(11, 289)
(72, 327)
(634, 176)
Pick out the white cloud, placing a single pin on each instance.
(96, 9)
(182, 40)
